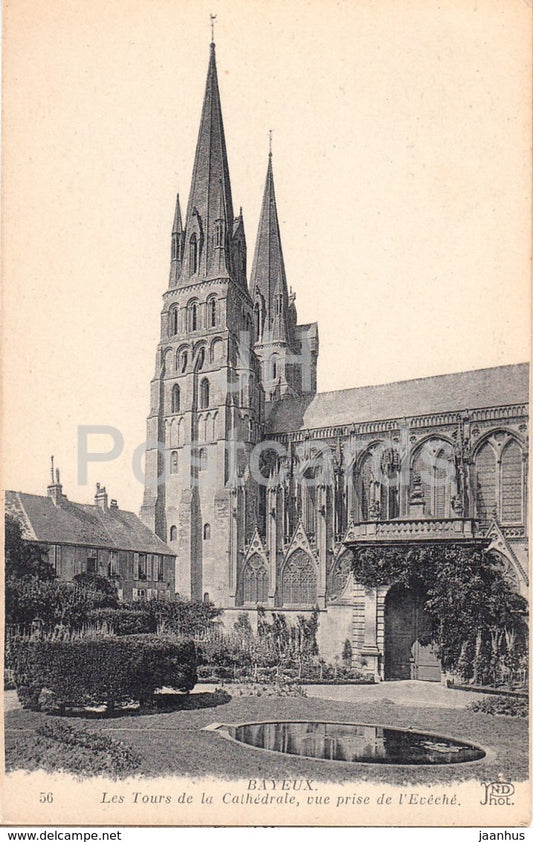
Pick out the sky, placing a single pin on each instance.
(401, 152)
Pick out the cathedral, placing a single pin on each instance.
(264, 488)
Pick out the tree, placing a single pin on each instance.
(24, 558)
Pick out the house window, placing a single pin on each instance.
(112, 567)
(173, 533)
(207, 531)
(161, 568)
(202, 459)
(193, 254)
(174, 462)
(175, 398)
(92, 564)
(141, 572)
(204, 393)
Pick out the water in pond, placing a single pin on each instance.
(354, 743)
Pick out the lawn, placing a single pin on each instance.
(171, 742)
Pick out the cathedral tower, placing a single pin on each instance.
(206, 397)
(287, 351)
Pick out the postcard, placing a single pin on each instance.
(266, 389)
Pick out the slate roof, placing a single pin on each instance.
(82, 524)
(500, 386)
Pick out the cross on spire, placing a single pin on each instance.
(213, 19)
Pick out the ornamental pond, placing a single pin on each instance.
(353, 743)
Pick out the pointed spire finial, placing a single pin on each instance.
(270, 143)
(213, 19)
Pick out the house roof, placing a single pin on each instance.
(500, 386)
(79, 523)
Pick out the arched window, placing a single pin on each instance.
(173, 321)
(206, 597)
(184, 359)
(193, 254)
(369, 488)
(204, 393)
(435, 465)
(299, 580)
(212, 312)
(175, 398)
(173, 533)
(255, 581)
(207, 531)
(511, 483)
(202, 459)
(193, 316)
(174, 462)
(486, 482)
(274, 367)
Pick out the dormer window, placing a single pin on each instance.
(219, 233)
(193, 254)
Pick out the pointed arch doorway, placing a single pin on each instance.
(405, 623)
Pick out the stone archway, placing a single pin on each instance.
(405, 623)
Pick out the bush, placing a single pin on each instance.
(123, 620)
(101, 669)
(500, 705)
(56, 746)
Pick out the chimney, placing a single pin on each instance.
(55, 489)
(113, 504)
(100, 498)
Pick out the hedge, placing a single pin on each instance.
(123, 620)
(102, 669)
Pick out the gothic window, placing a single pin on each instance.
(175, 398)
(173, 533)
(207, 531)
(511, 483)
(204, 393)
(255, 581)
(274, 367)
(173, 316)
(212, 312)
(434, 464)
(184, 361)
(339, 574)
(193, 254)
(174, 462)
(369, 488)
(486, 482)
(299, 580)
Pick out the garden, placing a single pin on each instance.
(120, 689)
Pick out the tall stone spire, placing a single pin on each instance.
(268, 282)
(208, 251)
